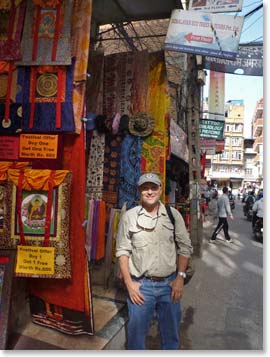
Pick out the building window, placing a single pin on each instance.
(248, 172)
(236, 155)
(227, 127)
(236, 141)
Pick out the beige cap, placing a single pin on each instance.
(149, 178)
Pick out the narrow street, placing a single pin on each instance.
(223, 303)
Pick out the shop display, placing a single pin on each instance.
(38, 215)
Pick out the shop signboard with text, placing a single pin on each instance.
(216, 5)
(212, 129)
(204, 33)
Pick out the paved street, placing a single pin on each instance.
(223, 304)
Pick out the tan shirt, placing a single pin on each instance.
(149, 242)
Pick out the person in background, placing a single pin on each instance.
(224, 210)
(152, 261)
(257, 209)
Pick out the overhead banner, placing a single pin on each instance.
(216, 5)
(178, 141)
(204, 33)
(212, 129)
(249, 61)
(216, 102)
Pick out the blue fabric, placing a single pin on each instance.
(15, 119)
(45, 112)
(130, 171)
(157, 298)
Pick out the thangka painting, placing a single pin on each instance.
(63, 319)
(36, 222)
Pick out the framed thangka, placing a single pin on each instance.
(7, 258)
(37, 222)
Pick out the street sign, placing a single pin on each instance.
(204, 33)
(216, 5)
(211, 129)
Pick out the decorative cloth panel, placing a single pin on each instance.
(38, 214)
(156, 145)
(11, 24)
(10, 111)
(65, 320)
(72, 289)
(46, 34)
(125, 83)
(130, 171)
(80, 36)
(47, 99)
(78, 104)
(111, 172)
(94, 182)
(94, 103)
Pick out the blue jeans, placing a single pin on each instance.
(157, 297)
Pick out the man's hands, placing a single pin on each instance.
(135, 295)
(177, 286)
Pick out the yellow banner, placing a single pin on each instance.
(36, 146)
(35, 260)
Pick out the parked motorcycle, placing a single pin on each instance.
(249, 213)
(258, 230)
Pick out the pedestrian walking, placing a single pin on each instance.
(224, 210)
(153, 255)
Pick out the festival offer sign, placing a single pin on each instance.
(216, 96)
(34, 146)
(204, 33)
(216, 5)
(9, 147)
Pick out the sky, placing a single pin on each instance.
(248, 88)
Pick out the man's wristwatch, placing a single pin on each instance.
(182, 274)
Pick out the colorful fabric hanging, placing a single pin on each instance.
(130, 171)
(80, 42)
(80, 36)
(111, 172)
(89, 227)
(94, 230)
(94, 182)
(100, 249)
(46, 99)
(156, 145)
(38, 215)
(72, 289)
(11, 20)
(10, 110)
(94, 103)
(46, 33)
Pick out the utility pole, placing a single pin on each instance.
(193, 120)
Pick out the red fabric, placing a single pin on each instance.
(33, 80)
(70, 293)
(56, 32)
(35, 40)
(19, 207)
(203, 162)
(49, 210)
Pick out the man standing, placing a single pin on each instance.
(257, 209)
(224, 210)
(153, 263)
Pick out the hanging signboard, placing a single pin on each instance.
(249, 61)
(216, 5)
(216, 96)
(208, 145)
(204, 34)
(212, 129)
(35, 146)
(178, 141)
(9, 147)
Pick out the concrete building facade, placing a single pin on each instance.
(257, 133)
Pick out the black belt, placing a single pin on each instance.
(156, 278)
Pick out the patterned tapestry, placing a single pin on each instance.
(47, 98)
(156, 145)
(130, 171)
(11, 25)
(46, 33)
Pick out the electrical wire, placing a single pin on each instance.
(253, 23)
